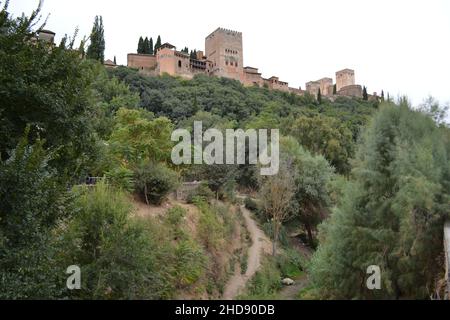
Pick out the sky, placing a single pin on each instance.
(401, 46)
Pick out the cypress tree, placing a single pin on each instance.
(96, 49)
(146, 46)
(150, 46)
(382, 95)
(319, 96)
(365, 95)
(140, 48)
(334, 89)
(115, 61)
(158, 43)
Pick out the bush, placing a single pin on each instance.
(122, 178)
(202, 192)
(265, 283)
(283, 237)
(154, 181)
(175, 215)
(290, 263)
(32, 203)
(120, 258)
(210, 229)
(250, 204)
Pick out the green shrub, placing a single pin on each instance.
(250, 204)
(283, 237)
(32, 203)
(122, 178)
(120, 257)
(154, 181)
(210, 228)
(202, 191)
(175, 215)
(265, 283)
(190, 262)
(290, 263)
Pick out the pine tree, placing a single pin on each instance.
(150, 46)
(319, 96)
(140, 48)
(96, 49)
(158, 43)
(365, 95)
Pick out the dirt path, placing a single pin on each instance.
(260, 244)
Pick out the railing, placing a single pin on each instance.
(92, 181)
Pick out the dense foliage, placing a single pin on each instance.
(64, 118)
(392, 213)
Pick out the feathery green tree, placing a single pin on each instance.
(96, 49)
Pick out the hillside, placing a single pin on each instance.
(87, 179)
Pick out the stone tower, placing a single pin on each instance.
(223, 48)
(344, 78)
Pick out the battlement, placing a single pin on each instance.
(224, 31)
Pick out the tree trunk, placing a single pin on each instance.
(310, 236)
(145, 194)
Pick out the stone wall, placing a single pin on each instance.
(143, 62)
(351, 91)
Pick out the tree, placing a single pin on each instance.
(140, 48)
(382, 96)
(319, 97)
(434, 110)
(276, 193)
(55, 101)
(146, 46)
(115, 61)
(334, 89)
(96, 49)
(154, 181)
(150, 46)
(157, 44)
(365, 96)
(32, 204)
(312, 195)
(391, 214)
(325, 136)
(137, 137)
(193, 54)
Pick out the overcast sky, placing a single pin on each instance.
(401, 46)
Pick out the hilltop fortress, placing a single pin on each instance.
(224, 57)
